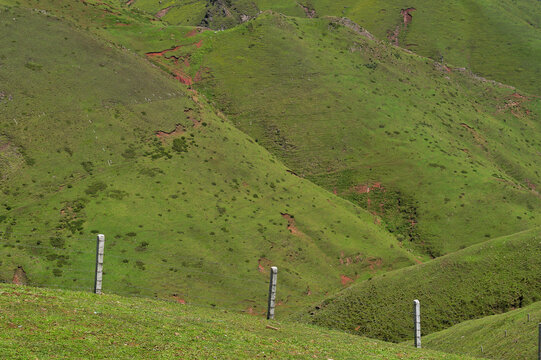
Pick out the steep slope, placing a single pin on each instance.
(446, 158)
(490, 278)
(43, 324)
(438, 153)
(507, 336)
(95, 139)
(500, 40)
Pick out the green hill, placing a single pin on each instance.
(506, 336)
(500, 40)
(490, 278)
(438, 153)
(445, 158)
(62, 324)
(298, 141)
(95, 139)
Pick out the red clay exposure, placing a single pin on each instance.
(291, 225)
(179, 129)
(345, 280)
(179, 300)
(406, 14)
(394, 35)
(178, 64)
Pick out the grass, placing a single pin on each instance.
(505, 336)
(208, 156)
(197, 213)
(500, 40)
(452, 155)
(490, 278)
(437, 153)
(40, 323)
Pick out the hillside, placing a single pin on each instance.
(303, 141)
(96, 139)
(490, 278)
(445, 158)
(466, 338)
(42, 323)
(434, 152)
(500, 40)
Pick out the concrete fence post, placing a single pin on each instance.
(100, 246)
(417, 323)
(272, 292)
(539, 344)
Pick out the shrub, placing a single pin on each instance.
(94, 188)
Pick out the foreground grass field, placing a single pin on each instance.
(490, 278)
(508, 336)
(38, 323)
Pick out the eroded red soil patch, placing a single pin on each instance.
(474, 133)
(183, 78)
(163, 52)
(394, 35)
(310, 13)
(515, 104)
(263, 264)
(291, 225)
(179, 129)
(179, 299)
(406, 14)
(250, 310)
(192, 33)
(374, 263)
(163, 12)
(178, 65)
(19, 276)
(345, 280)
(366, 188)
(348, 260)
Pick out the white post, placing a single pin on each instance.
(99, 263)
(539, 344)
(272, 292)
(417, 323)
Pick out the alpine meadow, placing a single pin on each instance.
(366, 153)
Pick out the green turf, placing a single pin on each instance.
(508, 336)
(39, 323)
(438, 157)
(490, 278)
(445, 158)
(498, 39)
(455, 154)
(202, 214)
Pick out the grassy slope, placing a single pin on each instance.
(500, 40)
(467, 338)
(79, 155)
(43, 323)
(455, 155)
(485, 279)
(442, 141)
